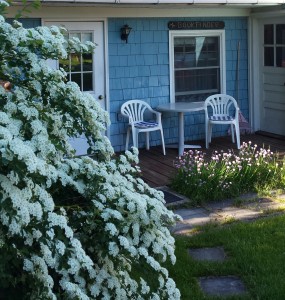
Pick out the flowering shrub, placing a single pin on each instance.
(226, 174)
(70, 227)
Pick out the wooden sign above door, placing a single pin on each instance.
(180, 25)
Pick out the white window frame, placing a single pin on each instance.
(196, 33)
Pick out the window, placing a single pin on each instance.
(274, 45)
(26, 22)
(197, 59)
(78, 66)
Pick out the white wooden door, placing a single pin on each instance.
(272, 83)
(87, 70)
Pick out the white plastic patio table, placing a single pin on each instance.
(181, 108)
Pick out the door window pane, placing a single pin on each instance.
(64, 63)
(280, 57)
(86, 37)
(76, 77)
(280, 34)
(268, 34)
(75, 35)
(87, 82)
(269, 56)
(75, 62)
(87, 62)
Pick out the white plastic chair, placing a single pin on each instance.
(135, 110)
(221, 109)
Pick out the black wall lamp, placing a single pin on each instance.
(125, 31)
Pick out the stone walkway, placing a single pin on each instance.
(246, 208)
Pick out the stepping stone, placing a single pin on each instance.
(222, 286)
(191, 219)
(194, 216)
(216, 254)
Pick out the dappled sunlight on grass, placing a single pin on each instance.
(255, 253)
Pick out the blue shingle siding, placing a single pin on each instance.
(139, 69)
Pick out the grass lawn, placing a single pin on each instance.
(255, 252)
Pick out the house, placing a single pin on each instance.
(177, 50)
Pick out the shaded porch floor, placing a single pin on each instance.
(157, 169)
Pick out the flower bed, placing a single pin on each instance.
(227, 175)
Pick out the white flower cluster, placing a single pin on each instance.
(92, 244)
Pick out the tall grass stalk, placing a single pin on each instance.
(226, 174)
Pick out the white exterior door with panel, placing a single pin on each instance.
(87, 70)
(272, 85)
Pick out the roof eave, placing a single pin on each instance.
(249, 3)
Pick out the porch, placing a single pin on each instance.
(157, 169)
